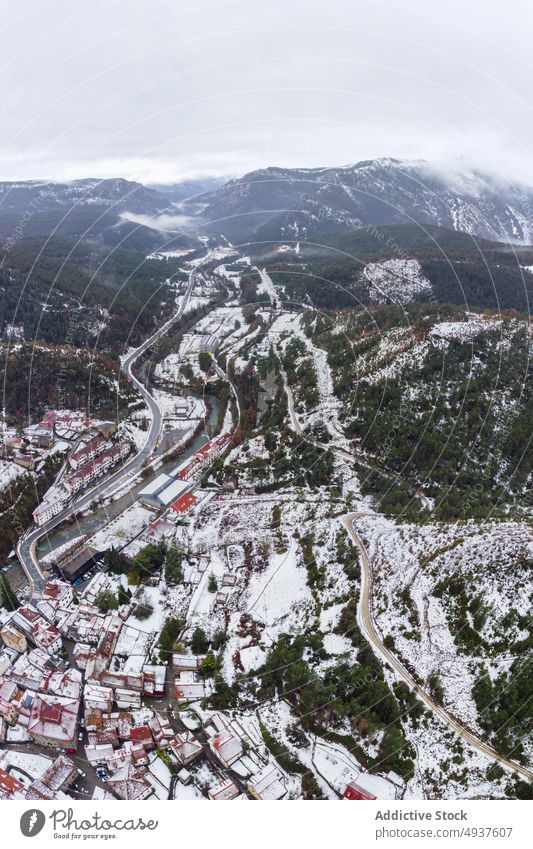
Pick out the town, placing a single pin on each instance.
(182, 622)
(108, 666)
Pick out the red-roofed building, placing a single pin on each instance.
(142, 734)
(227, 746)
(184, 502)
(87, 451)
(186, 747)
(53, 720)
(11, 787)
(355, 792)
(154, 680)
(129, 783)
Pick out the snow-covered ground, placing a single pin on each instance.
(133, 520)
(411, 560)
(398, 280)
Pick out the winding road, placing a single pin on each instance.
(368, 629)
(27, 546)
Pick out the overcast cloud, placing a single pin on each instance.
(160, 90)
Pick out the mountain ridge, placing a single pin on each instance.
(293, 203)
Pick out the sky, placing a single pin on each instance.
(165, 90)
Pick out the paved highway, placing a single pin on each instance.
(27, 545)
(368, 629)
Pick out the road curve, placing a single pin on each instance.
(368, 629)
(27, 545)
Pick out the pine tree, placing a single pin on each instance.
(173, 566)
(199, 642)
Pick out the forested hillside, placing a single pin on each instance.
(436, 401)
(36, 378)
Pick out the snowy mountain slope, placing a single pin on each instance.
(119, 194)
(295, 203)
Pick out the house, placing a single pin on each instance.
(121, 721)
(229, 580)
(226, 746)
(14, 638)
(184, 776)
(186, 747)
(96, 696)
(356, 792)
(154, 680)
(186, 470)
(60, 775)
(184, 502)
(57, 591)
(40, 437)
(87, 451)
(5, 662)
(125, 680)
(8, 689)
(220, 599)
(159, 531)
(8, 712)
(34, 670)
(65, 683)
(82, 653)
(134, 753)
(142, 735)
(52, 504)
(35, 626)
(97, 467)
(53, 720)
(129, 783)
(108, 639)
(268, 785)
(186, 662)
(203, 457)
(11, 787)
(97, 582)
(104, 735)
(39, 792)
(224, 791)
(162, 731)
(98, 753)
(127, 698)
(188, 691)
(27, 460)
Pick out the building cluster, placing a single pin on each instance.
(53, 783)
(203, 458)
(26, 448)
(172, 491)
(82, 681)
(91, 458)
